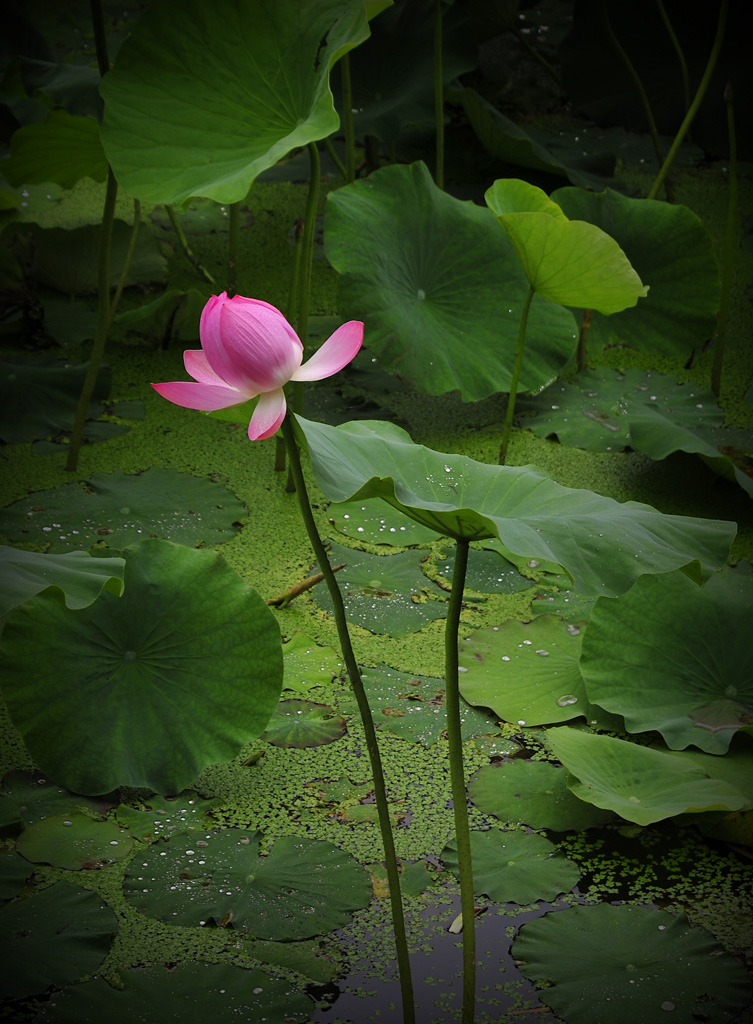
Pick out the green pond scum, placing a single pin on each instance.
(304, 796)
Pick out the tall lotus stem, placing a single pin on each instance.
(127, 262)
(678, 50)
(380, 790)
(457, 780)
(183, 241)
(438, 93)
(233, 247)
(729, 248)
(582, 350)
(697, 99)
(348, 127)
(520, 348)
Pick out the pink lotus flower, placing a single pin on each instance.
(249, 349)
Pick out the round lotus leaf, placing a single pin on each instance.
(675, 657)
(622, 964)
(533, 793)
(188, 994)
(53, 937)
(74, 841)
(302, 887)
(37, 797)
(157, 815)
(307, 664)
(488, 572)
(149, 688)
(76, 577)
(120, 508)
(384, 594)
(375, 522)
(515, 867)
(301, 723)
(439, 287)
(14, 871)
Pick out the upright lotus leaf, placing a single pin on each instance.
(566, 261)
(675, 657)
(439, 287)
(149, 688)
(602, 544)
(669, 247)
(204, 97)
(63, 148)
(639, 784)
(624, 964)
(77, 577)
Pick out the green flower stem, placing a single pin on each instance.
(380, 791)
(697, 100)
(183, 241)
(730, 246)
(582, 350)
(127, 262)
(678, 50)
(233, 247)
(438, 93)
(329, 146)
(103, 324)
(515, 377)
(348, 127)
(307, 260)
(457, 779)
(100, 36)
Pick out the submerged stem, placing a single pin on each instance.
(510, 412)
(457, 779)
(380, 790)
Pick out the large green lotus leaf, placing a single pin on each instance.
(39, 396)
(377, 523)
(74, 841)
(76, 577)
(566, 261)
(157, 815)
(302, 887)
(75, 87)
(533, 793)
(38, 797)
(515, 867)
(527, 672)
(149, 688)
(671, 250)
(675, 657)
(203, 98)
(120, 508)
(736, 767)
(596, 410)
(63, 149)
(439, 287)
(188, 994)
(413, 708)
(603, 545)
(384, 593)
(639, 784)
(307, 664)
(53, 937)
(301, 723)
(622, 964)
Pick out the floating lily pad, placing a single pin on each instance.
(149, 688)
(639, 784)
(37, 797)
(74, 841)
(39, 396)
(591, 411)
(603, 545)
(533, 793)
(69, 323)
(623, 963)
(488, 573)
(53, 937)
(303, 887)
(158, 815)
(384, 594)
(377, 523)
(527, 672)
(120, 508)
(174, 315)
(516, 867)
(186, 993)
(675, 657)
(414, 261)
(412, 707)
(307, 664)
(300, 723)
(200, 217)
(14, 872)
(76, 577)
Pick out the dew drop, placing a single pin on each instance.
(566, 700)
(420, 295)
(542, 653)
(667, 1005)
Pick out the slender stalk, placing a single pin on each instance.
(510, 412)
(678, 50)
(729, 248)
(187, 250)
(329, 146)
(100, 36)
(290, 312)
(348, 127)
(457, 779)
(380, 790)
(307, 260)
(438, 93)
(103, 324)
(697, 99)
(233, 247)
(582, 350)
(126, 263)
